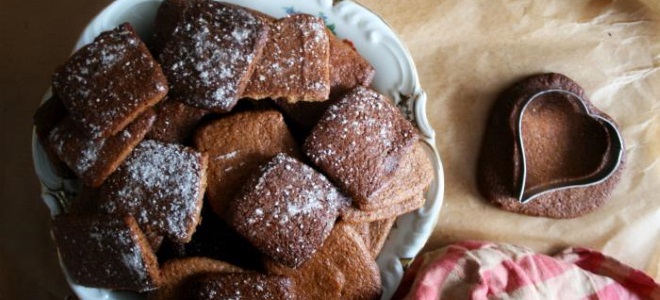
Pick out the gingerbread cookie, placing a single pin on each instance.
(175, 272)
(286, 210)
(110, 82)
(413, 176)
(356, 215)
(295, 63)
(343, 260)
(162, 186)
(236, 146)
(209, 57)
(348, 68)
(106, 251)
(572, 154)
(94, 159)
(359, 143)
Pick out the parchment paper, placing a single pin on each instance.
(468, 51)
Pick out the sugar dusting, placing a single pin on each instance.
(106, 81)
(118, 239)
(90, 158)
(229, 155)
(249, 285)
(209, 54)
(357, 140)
(105, 249)
(295, 63)
(293, 200)
(88, 151)
(159, 184)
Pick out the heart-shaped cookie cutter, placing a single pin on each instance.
(603, 174)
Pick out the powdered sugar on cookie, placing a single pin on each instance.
(108, 83)
(209, 56)
(295, 64)
(359, 142)
(287, 211)
(161, 185)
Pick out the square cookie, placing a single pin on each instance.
(359, 143)
(106, 251)
(162, 186)
(94, 159)
(413, 176)
(108, 83)
(211, 52)
(175, 272)
(344, 265)
(295, 63)
(286, 210)
(236, 146)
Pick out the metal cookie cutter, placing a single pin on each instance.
(603, 174)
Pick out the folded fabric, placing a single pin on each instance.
(483, 270)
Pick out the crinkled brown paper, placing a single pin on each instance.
(468, 51)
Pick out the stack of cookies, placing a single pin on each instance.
(237, 155)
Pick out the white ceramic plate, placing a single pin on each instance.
(396, 77)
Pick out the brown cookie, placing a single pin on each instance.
(308, 276)
(175, 272)
(87, 202)
(240, 286)
(286, 210)
(47, 116)
(343, 260)
(94, 159)
(359, 143)
(348, 68)
(561, 144)
(355, 215)
(209, 57)
(378, 232)
(106, 251)
(374, 234)
(175, 122)
(236, 146)
(295, 63)
(162, 186)
(172, 13)
(413, 176)
(110, 82)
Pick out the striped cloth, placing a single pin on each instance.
(482, 270)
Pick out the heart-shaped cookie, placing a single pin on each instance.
(546, 142)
